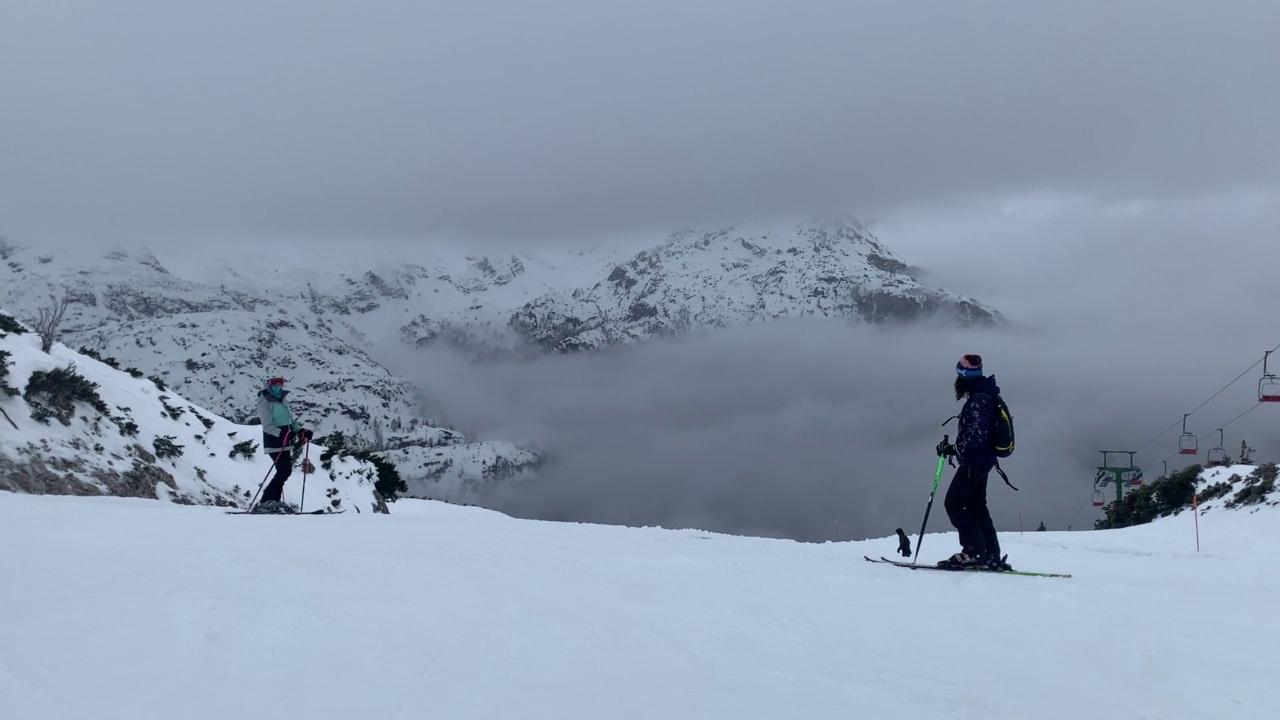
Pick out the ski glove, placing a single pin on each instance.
(946, 449)
(306, 434)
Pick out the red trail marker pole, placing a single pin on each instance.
(1195, 510)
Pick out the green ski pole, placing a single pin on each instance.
(942, 459)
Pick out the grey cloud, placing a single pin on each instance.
(156, 121)
(785, 430)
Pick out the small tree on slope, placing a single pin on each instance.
(48, 319)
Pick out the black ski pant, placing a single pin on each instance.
(283, 461)
(966, 504)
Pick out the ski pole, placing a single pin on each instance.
(942, 459)
(263, 483)
(284, 446)
(306, 452)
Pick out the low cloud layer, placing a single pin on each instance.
(790, 428)
(168, 122)
(1126, 321)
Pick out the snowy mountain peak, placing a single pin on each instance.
(741, 274)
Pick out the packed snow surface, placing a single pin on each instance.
(115, 608)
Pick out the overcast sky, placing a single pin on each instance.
(524, 121)
(1104, 173)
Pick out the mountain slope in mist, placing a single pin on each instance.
(75, 425)
(320, 320)
(215, 344)
(746, 274)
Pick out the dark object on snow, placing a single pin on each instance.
(904, 544)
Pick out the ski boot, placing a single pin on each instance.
(273, 507)
(960, 561)
(998, 563)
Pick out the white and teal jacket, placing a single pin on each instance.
(278, 425)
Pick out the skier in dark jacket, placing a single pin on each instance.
(966, 500)
(279, 431)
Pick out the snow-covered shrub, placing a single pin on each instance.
(166, 448)
(10, 324)
(171, 411)
(4, 372)
(54, 394)
(1260, 483)
(244, 449)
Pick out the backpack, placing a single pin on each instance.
(1001, 436)
(1002, 431)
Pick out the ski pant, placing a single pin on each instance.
(283, 461)
(966, 504)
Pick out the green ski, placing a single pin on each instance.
(969, 569)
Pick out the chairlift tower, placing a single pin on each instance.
(1121, 475)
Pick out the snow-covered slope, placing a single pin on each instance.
(75, 425)
(1237, 487)
(215, 344)
(461, 474)
(118, 608)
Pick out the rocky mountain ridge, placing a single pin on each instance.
(214, 334)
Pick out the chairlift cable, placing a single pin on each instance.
(1206, 402)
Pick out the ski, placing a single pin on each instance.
(887, 561)
(310, 512)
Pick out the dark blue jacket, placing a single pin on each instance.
(977, 417)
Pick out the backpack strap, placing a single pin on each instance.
(1002, 475)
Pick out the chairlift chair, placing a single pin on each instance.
(1269, 385)
(1188, 444)
(1098, 498)
(1216, 457)
(1136, 480)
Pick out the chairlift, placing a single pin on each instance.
(1188, 444)
(1216, 457)
(1269, 385)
